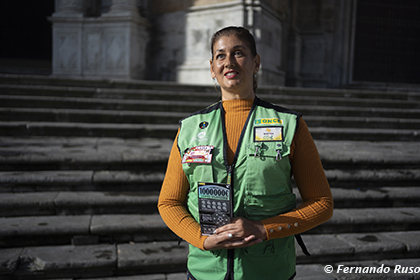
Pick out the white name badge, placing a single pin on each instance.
(268, 133)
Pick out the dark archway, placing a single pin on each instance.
(387, 42)
(26, 37)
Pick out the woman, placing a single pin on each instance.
(254, 147)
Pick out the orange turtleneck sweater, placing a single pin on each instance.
(317, 202)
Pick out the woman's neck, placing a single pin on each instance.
(226, 95)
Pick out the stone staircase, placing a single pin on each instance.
(82, 161)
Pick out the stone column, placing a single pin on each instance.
(294, 51)
(265, 22)
(67, 37)
(200, 23)
(124, 7)
(124, 39)
(71, 8)
(110, 46)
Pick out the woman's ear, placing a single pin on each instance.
(257, 61)
(211, 69)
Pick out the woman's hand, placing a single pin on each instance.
(241, 232)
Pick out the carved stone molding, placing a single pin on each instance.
(66, 55)
(116, 51)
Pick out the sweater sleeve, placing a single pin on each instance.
(317, 202)
(172, 201)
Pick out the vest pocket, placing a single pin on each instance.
(263, 207)
(196, 172)
(268, 189)
(275, 259)
(269, 248)
(266, 172)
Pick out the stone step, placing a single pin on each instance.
(160, 117)
(105, 180)
(362, 122)
(100, 164)
(288, 96)
(364, 134)
(146, 181)
(25, 129)
(22, 82)
(91, 229)
(83, 153)
(60, 102)
(383, 197)
(104, 260)
(398, 269)
(409, 93)
(177, 93)
(373, 178)
(62, 203)
(88, 129)
(336, 111)
(34, 80)
(82, 230)
(160, 276)
(401, 269)
(82, 203)
(339, 101)
(368, 155)
(92, 116)
(95, 153)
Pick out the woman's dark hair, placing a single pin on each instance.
(243, 34)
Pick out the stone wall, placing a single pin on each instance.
(183, 55)
(111, 45)
(167, 45)
(114, 40)
(319, 33)
(305, 43)
(200, 24)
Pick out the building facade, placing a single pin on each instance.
(302, 43)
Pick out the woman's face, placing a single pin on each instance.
(233, 65)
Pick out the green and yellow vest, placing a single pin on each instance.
(261, 180)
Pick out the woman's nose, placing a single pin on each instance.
(229, 62)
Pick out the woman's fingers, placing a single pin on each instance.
(223, 241)
(241, 227)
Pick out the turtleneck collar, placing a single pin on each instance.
(237, 105)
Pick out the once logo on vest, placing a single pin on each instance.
(268, 121)
(201, 135)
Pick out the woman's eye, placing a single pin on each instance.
(220, 56)
(238, 53)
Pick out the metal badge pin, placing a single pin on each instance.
(278, 156)
(257, 151)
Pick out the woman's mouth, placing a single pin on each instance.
(231, 74)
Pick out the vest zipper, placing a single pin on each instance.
(229, 168)
(229, 175)
(231, 252)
